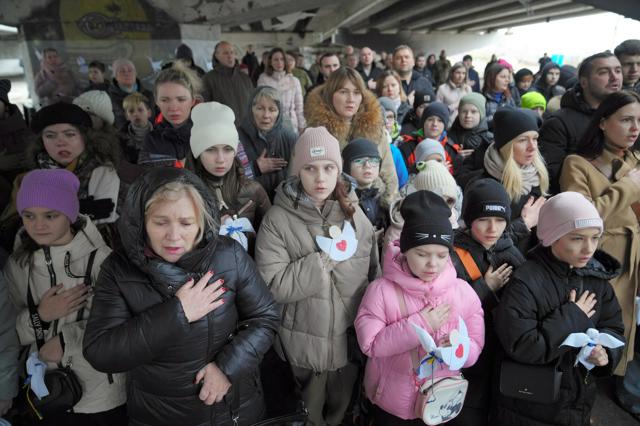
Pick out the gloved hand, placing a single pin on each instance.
(97, 209)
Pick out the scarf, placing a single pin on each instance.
(137, 134)
(82, 167)
(494, 165)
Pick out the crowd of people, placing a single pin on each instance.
(383, 233)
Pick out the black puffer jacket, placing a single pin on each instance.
(166, 144)
(480, 375)
(561, 132)
(533, 319)
(470, 138)
(137, 324)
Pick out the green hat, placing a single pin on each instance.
(531, 100)
(477, 100)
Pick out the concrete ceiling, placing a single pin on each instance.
(325, 17)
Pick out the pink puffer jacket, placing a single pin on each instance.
(387, 337)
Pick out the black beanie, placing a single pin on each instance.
(485, 198)
(508, 123)
(420, 98)
(426, 221)
(358, 148)
(5, 87)
(437, 109)
(60, 113)
(184, 52)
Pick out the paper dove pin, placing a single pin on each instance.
(587, 341)
(453, 356)
(342, 244)
(236, 228)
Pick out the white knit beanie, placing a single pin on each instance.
(213, 124)
(435, 177)
(98, 103)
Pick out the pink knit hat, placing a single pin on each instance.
(316, 143)
(564, 213)
(55, 189)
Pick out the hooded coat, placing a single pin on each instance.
(368, 123)
(319, 296)
(387, 337)
(543, 88)
(290, 92)
(613, 196)
(278, 142)
(137, 324)
(100, 392)
(533, 319)
(561, 131)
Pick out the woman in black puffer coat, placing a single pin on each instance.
(191, 351)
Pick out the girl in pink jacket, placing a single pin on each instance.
(418, 270)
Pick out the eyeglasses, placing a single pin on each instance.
(372, 161)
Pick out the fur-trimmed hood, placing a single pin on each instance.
(368, 122)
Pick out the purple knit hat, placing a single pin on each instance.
(55, 189)
(564, 213)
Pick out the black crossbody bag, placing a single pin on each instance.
(535, 383)
(64, 387)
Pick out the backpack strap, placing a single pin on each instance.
(469, 264)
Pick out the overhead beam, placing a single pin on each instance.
(499, 13)
(283, 39)
(260, 13)
(562, 13)
(390, 20)
(626, 8)
(347, 14)
(464, 9)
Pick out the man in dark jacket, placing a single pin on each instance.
(412, 81)
(473, 77)
(14, 140)
(599, 75)
(628, 53)
(139, 322)
(9, 348)
(225, 83)
(367, 68)
(125, 82)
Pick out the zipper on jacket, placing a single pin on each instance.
(52, 279)
(332, 316)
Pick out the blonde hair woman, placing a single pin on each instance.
(176, 89)
(515, 161)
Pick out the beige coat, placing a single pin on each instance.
(320, 297)
(613, 194)
(368, 123)
(97, 393)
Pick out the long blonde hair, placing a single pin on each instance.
(178, 73)
(512, 173)
(172, 191)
